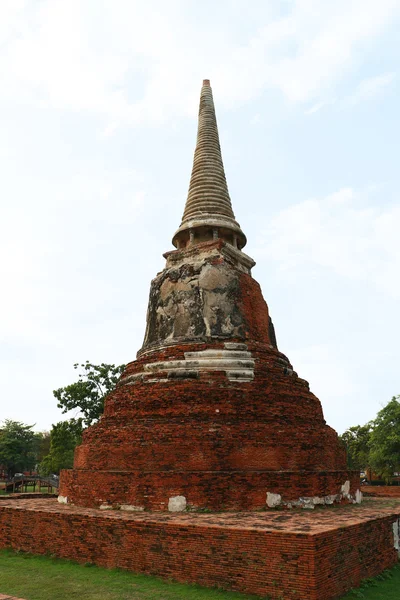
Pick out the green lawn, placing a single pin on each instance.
(30, 489)
(44, 578)
(384, 587)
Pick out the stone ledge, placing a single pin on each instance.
(237, 363)
(294, 521)
(392, 491)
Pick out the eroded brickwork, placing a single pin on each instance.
(221, 419)
(389, 491)
(293, 555)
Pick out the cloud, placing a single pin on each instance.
(317, 107)
(331, 379)
(132, 62)
(342, 233)
(256, 119)
(81, 233)
(370, 87)
(307, 51)
(51, 241)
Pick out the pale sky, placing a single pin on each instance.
(98, 119)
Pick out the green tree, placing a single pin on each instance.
(17, 447)
(64, 437)
(87, 394)
(357, 442)
(42, 445)
(385, 440)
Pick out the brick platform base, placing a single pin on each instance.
(296, 555)
(392, 491)
(217, 490)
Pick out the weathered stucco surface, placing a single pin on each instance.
(194, 301)
(206, 293)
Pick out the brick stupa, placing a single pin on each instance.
(211, 415)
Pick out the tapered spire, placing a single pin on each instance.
(208, 211)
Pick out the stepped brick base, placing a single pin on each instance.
(209, 490)
(211, 412)
(296, 555)
(392, 491)
(222, 437)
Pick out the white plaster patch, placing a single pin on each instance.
(236, 346)
(273, 500)
(310, 502)
(330, 499)
(318, 500)
(307, 502)
(346, 488)
(396, 535)
(132, 507)
(63, 499)
(177, 504)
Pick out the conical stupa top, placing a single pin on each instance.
(208, 210)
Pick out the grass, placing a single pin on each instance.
(45, 578)
(30, 489)
(385, 586)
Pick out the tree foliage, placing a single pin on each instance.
(376, 445)
(87, 395)
(17, 447)
(64, 437)
(42, 445)
(385, 440)
(357, 442)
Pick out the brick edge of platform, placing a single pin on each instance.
(318, 565)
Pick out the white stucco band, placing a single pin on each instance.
(235, 360)
(310, 502)
(132, 507)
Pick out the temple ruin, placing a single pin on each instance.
(211, 415)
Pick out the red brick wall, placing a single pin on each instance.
(278, 562)
(219, 443)
(345, 556)
(213, 490)
(254, 310)
(392, 491)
